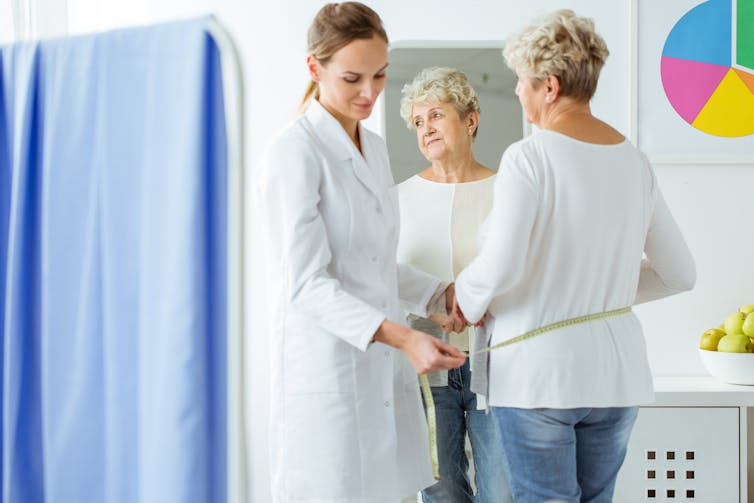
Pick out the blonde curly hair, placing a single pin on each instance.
(561, 44)
(439, 85)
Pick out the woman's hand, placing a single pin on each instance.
(450, 297)
(427, 353)
(449, 322)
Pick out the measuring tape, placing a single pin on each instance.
(429, 406)
(429, 403)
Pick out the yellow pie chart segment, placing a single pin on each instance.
(730, 109)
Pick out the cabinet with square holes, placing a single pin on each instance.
(690, 445)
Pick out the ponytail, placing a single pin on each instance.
(312, 91)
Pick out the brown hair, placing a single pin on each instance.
(335, 26)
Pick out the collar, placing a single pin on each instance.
(332, 134)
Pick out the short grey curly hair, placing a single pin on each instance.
(561, 44)
(439, 85)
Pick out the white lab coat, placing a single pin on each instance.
(347, 423)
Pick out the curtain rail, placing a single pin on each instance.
(232, 77)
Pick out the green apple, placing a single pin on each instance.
(748, 327)
(710, 339)
(734, 323)
(748, 308)
(734, 343)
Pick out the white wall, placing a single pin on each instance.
(713, 205)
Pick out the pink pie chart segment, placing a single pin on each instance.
(689, 84)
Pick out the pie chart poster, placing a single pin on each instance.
(696, 81)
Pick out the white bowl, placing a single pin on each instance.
(733, 368)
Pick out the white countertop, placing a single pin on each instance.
(700, 392)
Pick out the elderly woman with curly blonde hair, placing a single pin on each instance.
(441, 209)
(578, 233)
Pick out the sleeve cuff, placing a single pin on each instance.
(466, 304)
(436, 304)
(367, 337)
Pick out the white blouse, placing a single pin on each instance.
(439, 227)
(575, 229)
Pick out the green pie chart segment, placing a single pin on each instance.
(745, 34)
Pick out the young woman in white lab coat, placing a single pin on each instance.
(347, 423)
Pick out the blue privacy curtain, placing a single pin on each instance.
(113, 268)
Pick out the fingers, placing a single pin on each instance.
(453, 324)
(450, 297)
(451, 352)
(449, 357)
(428, 354)
(458, 313)
(449, 362)
(448, 350)
(442, 361)
(458, 324)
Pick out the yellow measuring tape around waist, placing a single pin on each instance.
(429, 403)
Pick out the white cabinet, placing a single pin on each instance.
(682, 454)
(691, 445)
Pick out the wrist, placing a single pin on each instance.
(392, 334)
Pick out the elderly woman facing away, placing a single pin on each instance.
(578, 228)
(441, 210)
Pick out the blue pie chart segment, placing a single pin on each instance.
(703, 34)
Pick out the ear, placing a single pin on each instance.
(472, 122)
(312, 64)
(552, 88)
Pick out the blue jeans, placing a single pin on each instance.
(455, 410)
(565, 455)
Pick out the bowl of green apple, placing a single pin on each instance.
(726, 350)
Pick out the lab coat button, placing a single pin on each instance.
(374, 259)
(387, 404)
